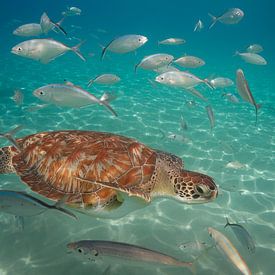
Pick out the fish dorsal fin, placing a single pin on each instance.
(123, 192)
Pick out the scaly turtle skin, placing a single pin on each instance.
(93, 168)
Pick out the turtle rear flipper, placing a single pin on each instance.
(6, 155)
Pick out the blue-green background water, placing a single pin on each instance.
(246, 195)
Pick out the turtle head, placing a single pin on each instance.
(194, 187)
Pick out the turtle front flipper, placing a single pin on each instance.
(6, 155)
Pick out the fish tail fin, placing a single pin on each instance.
(90, 83)
(104, 100)
(214, 20)
(58, 26)
(227, 222)
(9, 136)
(208, 83)
(104, 49)
(76, 50)
(59, 206)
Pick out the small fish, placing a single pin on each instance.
(230, 97)
(226, 247)
(199, 26)
(252, 58)
(24, 205)
(69, 95)
(197, 94)
(44, 50)
(166, 69)
(31, 29)
(242, 235)
(181, 79)
(190, 61)
(244, 91)
(232, 16)
(172, 41)
(18, 97)
(193, 246)
(236, 165)
(210, 115)
(175, 137)
(254, 48)
(108, 250)
(155, 61)
(221, 82)
(190, 103)
(183, 124)
(105, 79)
(72, 11)
(125, 44)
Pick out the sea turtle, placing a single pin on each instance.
(100, 170)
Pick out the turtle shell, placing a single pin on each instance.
(87, 167)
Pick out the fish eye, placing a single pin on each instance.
(139, 40)
(19, 49)
(41, 93)
(80, 250)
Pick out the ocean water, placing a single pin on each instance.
(145, 111)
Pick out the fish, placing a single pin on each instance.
(183, 124)
(254, 48)
(47, 24)
(211, 117)
(236, 165)
(197, 94)
(172, 41)
(18, 97)
(221, 82)
(164, 69)
(181, 79)
(124, 44)
(154, 61)
(225, 245)
(230, 97)
(244, 91)
(24, 205)
(69, 95)
(105, 79)
(108, 250)
(72, 11)
(193, 246)
(199, 26)
(230, 17)
(190, 103)
(190, 61)
(242, 235)
(44, 50)
(252, 58)
(31, 29)
(175, 137)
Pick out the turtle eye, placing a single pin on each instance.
(202, 190)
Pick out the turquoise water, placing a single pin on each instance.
(245, 195)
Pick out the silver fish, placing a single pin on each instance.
(197, 94)
(190, 61)
(193, 246)
(183, 123)
(181, 79)
(44, 50)
(72, 11)
(199, 26)
(225, 245)
(105, 79)
(69, 95)
(32, 29)
(255, 48)
(125, 44)
(236, 165)
(175, 137)
(24, 205)
(155, 61)
(221, 82)
(230, 97)
(108, 250)
(190, 103)
(252, 58)
(172, 41)
(18, 97)
(242, 235)
(210, 115)
(244, 91)
(232, 16)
